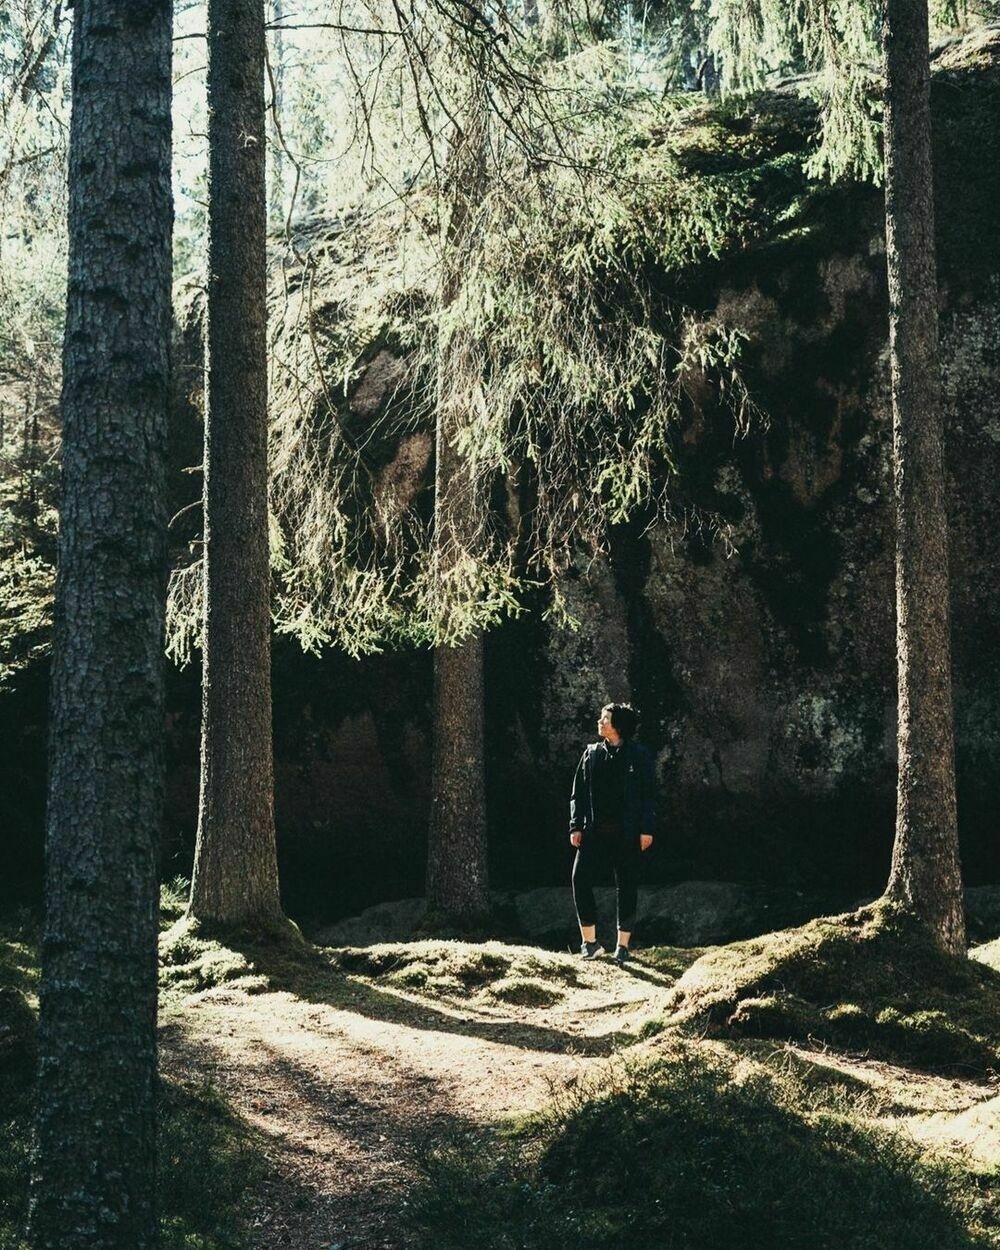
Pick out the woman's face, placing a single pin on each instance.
(605, 729)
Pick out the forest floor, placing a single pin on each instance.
(444, 1095)
(354, 1070)
(350, 1095)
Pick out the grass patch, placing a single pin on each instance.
(191, 962)
(173, 900)
(869, 980)
(460, 970)
(697, 1152)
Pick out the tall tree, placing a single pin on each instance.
(925, 873)
(457, 877)
(235, 880)
(93, 1183)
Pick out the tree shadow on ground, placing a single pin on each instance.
(682, 1155)
(340, 1159)
(313, 976)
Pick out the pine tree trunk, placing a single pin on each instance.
(925, 866)
(235, 880)
(94, 1177)
(457, 877)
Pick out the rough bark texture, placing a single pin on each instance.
(925, 871)
(93, 1180)
(457, 879)
(457, 876)
(235, 880)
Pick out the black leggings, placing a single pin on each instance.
(598, 855)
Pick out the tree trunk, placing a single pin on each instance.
(93, 1180)
(457, 878)
(235, 882)
(925, 872)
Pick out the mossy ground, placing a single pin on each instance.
(868, 980)
(700, 1146)
(693, 1106)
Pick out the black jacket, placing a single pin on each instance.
(640, 791)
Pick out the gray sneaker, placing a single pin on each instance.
(591, 950)
(622, 956)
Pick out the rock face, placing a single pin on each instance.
(762, 658)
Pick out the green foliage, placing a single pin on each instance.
(692, 1152)
(836, 40)
(33, 106)
(585, 356)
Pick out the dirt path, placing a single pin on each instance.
(349, 1094)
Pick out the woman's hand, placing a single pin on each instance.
(645, 841)
(576, 837)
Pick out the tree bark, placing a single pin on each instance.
(93, 1177)
(457, 876)
(235, 880)
(925, 873)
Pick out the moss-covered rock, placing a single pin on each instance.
(869, 980)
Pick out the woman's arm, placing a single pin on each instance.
(579, 800)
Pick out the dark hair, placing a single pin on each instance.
(624, 718)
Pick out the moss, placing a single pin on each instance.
(526, 992)
(870, 979)
(209, 1166)
(988, 954)
(461, 970)
(191, 962)
(696, 1151)
(672, 961)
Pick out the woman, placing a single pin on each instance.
(611, 816)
